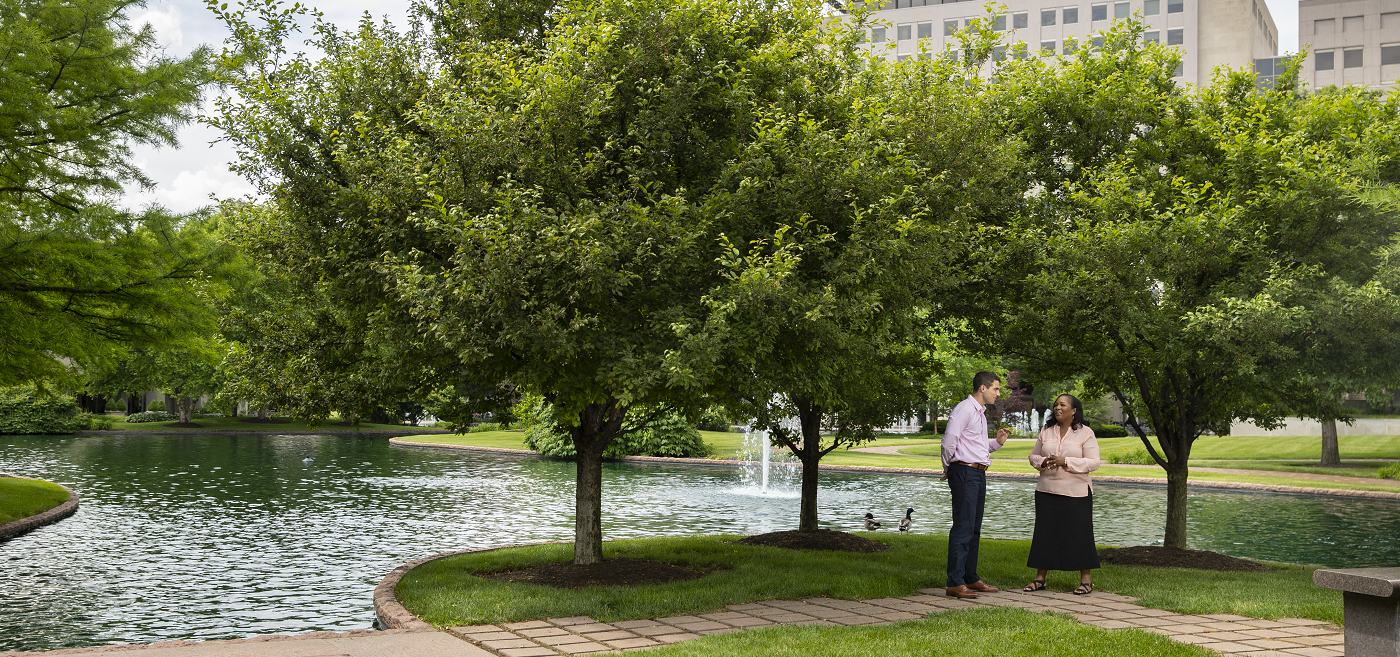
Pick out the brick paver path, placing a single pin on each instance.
(1224, 633)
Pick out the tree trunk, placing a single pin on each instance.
(588, 509)
(186, 406)
(1177, 474)
(1331, 452)
(811, 461)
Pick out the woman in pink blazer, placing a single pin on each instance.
(1065, 454)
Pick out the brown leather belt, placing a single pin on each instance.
(979, 466)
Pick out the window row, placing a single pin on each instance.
(1355, 23)
(1175, 36)
(1098, 12)
(1020, 20)
(1326, 60)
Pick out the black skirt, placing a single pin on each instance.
(1064, 533)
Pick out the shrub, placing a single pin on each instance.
(29, 410)
(1391, 471)
(1138, 456)
(157, 405)
(933, 427)
(670, 435)
(116, 405)
(152, 416)
(714, 419)
(485, 426)
(1109, 431)
(98, 422)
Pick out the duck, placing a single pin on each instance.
(908, 520)
(871, 523)
(307, 460)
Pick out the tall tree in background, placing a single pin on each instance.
(79, 277)
(1204, 255)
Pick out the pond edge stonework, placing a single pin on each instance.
(393, 615)
(49, 517)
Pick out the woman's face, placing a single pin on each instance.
(1064, 411)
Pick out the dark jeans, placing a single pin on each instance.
(969, 488)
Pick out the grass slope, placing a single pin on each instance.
(962, 633)
(21, 498)
(445, 592)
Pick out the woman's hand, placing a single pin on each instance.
(1057, 461)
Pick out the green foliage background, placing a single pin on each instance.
(28, 409)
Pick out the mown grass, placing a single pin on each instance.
(119, 423)
(1367, 469)
(21, 498)
(446, 592)
(963, 633)
(1232, 448)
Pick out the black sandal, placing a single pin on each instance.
(1084, 589)
(1035, 585)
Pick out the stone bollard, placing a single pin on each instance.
(1370, 608)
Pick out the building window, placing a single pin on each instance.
(953, 55)
(1047, 48)
(1176, 37)
(903, 57)
(1325, 26)
(1151, 7)
(925, 30)
(1047, 17)
(950, 27)
(1120, 10)
(1322, 61)
(1390, 54)
(1176, 6)
(1179, 71)
(999, 53)
(1354, 24)
(999, 24)
(1152, 37)
(877, 35)
(905, 32)
(1098, 43)
(1098, 12)
(1070, 46)
(1071, 15)
(1020, 20)
(1351, 58)
(1019, 50)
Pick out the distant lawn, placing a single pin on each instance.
(21, 498)
(1233, 448)
(1369, 469)
(961, 633)
(238, 424)
(445, 592)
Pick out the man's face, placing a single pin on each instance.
(991, 393)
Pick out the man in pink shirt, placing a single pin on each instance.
(967, 453)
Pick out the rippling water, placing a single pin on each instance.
(211, 537)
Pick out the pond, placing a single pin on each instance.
(212, 537)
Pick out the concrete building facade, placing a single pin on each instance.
(1354, 42)
(1211, 33)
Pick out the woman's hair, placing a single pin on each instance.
(1078, 407)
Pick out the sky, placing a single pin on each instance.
(192, 175)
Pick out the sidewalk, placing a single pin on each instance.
(1225, 633)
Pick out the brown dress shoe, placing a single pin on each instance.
(960, 591)
(982, 587)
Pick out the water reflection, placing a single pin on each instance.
(211, 537)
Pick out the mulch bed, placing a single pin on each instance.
(185, 425)
(1169, 557)
(821, 539)
(608, 572)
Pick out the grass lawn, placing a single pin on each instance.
(445, 592)
(964, 632)
(21, 498)
(1369, 469)
(238, 424)
(1232, 448)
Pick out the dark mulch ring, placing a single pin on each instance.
(1159, 556)
(821, 539)
(268, 420)
(608, 572)
(185, 425)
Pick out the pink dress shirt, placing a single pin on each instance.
(965, 437)
(1081, 452)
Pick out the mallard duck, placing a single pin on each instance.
(908, 520)
(871, 523)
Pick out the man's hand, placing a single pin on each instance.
(1002, 434)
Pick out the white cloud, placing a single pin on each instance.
(167, 24)
(192, 189)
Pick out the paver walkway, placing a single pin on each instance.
(1225, 633)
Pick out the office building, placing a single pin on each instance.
(1211, 33)
(1353, 42)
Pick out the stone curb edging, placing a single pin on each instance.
(219, 432)
(393, 615)
(49, 517)
(1151, 481)
(177, 643)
